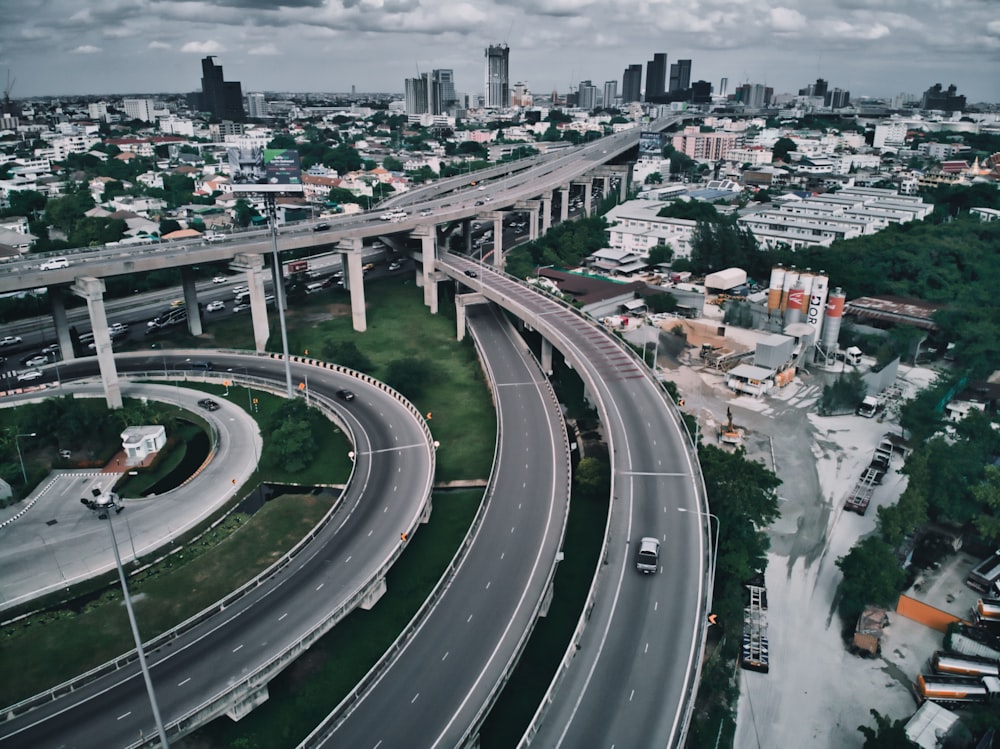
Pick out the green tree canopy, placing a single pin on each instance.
(887, 733)
(872, 575)
(783, 147)
(660, 254)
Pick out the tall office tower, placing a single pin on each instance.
(416, 94)
(680, 76)
(256, 106)
(610, 93)
(443, 97)
(138, 109)
(497, 77)
(838, 99)
(656, 77)
(723, 87)
(586, 96)
(632, 84)
(97, 110)
(222, 99)
(701, 92)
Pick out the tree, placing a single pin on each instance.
(340, 195)
(592, 479)
(472, 148)
(409, 376)
(654, 178)
(392, 164)
(844, 393)
(169, 225)
(25, 203)
(987, 493)
(887, 734)
(782, 147)
(283, 141)
(660, 254)
(659, 303)
(346, 354)
(872, 575)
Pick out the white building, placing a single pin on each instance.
(139, 109)
(141, 442)
(635, 227)
(257, 106)
(890, 135)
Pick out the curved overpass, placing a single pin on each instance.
(629, 677)
(222, 660)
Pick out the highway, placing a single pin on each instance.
(634, 675)
(392, 479)
(438, 687)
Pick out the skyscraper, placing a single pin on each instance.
(222, 99)
(586, 97)
(680, 76)
(443, 97)
(497, 77)
(139, 109)
(256, 106)
(416, 92)
(610, 93)
(632, 84)
(656, 77)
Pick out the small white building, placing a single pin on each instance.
(141, 442)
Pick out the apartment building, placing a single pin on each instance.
(634, 226)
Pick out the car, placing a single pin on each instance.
(240, 307)
(647, 559)
(481, 187)
(219, 279)
(118, 328)
(65, 454)
(29, 375)
(216, 306)
(52, 348)
(36, 361)
(479, 202)
(345, 395)
(321, 227)
(213, 236)
(471, 274)
(387, 216)
(426, 212)
(10, 340)
(487, 199)
(241, 290)
(54, 264)
(394, 265)
(208, 404)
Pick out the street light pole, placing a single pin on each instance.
(715, 544)
(279, 289)
(20, 458)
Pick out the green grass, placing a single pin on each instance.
(45, 649)
(302, 695)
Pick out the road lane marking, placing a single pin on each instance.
(415, 698)
(282, 616)
(646, 649)
(502, 554)
(184, 682)
(238, 647)
(125, 715)
(631, 695)
(320, 586)
(488, 584)
(371, 532)
(469, 619)
(349, 559)
(656, 605)
(445, 656)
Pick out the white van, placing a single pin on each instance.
(647, 560)
(313, 288)
(54, 264)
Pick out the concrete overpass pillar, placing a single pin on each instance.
(253, 265)
(498, 240)
(428, 255)
(546, 211)
(588, 186)
(354, 280)
(459, 317)
(532, 207)
(623, 183)
(467, 234)
(191, 300)
(58, 303)
(92, 289)
(546, 356)
(563, 203)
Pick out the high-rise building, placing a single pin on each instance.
(632, 84)
(656, 77)
(97, 110)
(497, 85)
(443, 98)
(139, 109)
(586, 96)
(610, 93)
(680, 76)
(723, 87)
(416, 92)
(256, 106)
(222, 99)
(949, 100)
(838, 98)
(701, 92)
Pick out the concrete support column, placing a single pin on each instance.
(533, 223)
(354, 276)
(563, 203)
(428, 256)
(498, 240)
(253, 265)
(605, 185)
(467, 234)
(460, 317)
(588, 187)
(546, 356)
(58, 303)
(191, 300)
(624, 179)
(92, 289)
(546, 211)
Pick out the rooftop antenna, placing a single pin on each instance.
(6, 92)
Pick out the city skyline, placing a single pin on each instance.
(871, 49)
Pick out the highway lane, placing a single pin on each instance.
(437, 687)
(633, 677)
(392, 477)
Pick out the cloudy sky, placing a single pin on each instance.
(870, 47)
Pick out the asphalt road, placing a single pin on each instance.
(438, 686)
(392, 477)
(634, 674)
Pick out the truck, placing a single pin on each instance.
(868, 631)
(985, 576)
(870, 407)
(987, 611)
(957, 690)
(958, 664)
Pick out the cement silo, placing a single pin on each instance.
(817, 302)
(774, 289)
(834, 316)
(791, 276)
(796, 302)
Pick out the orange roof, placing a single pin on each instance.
(182, 234)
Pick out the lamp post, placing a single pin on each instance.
(715, 544)
(20, 458)
(279, 288)
(538, 273)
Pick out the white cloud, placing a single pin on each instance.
(85, 49)
(209, 47)
(787, 19)
(264, 49)
(159, 45)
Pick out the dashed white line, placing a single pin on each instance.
(371, 532)
(320, 586)
(512, 528)
(646, 649)
(349, 559)
(282, 616)
(238, 647)
(631, 695)
(503, 554)
(415, 698)
(445, 656)
(656, 605)
(181, 684)
(125, 715)
(469, 619)
(488, 584)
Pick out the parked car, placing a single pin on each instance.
(10, 340)
(216, 306)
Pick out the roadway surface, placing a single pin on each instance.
(634, 675)
(440, 685)
(58, 542)
(392, 478)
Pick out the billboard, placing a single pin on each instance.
(254, 169)
(650, 143)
